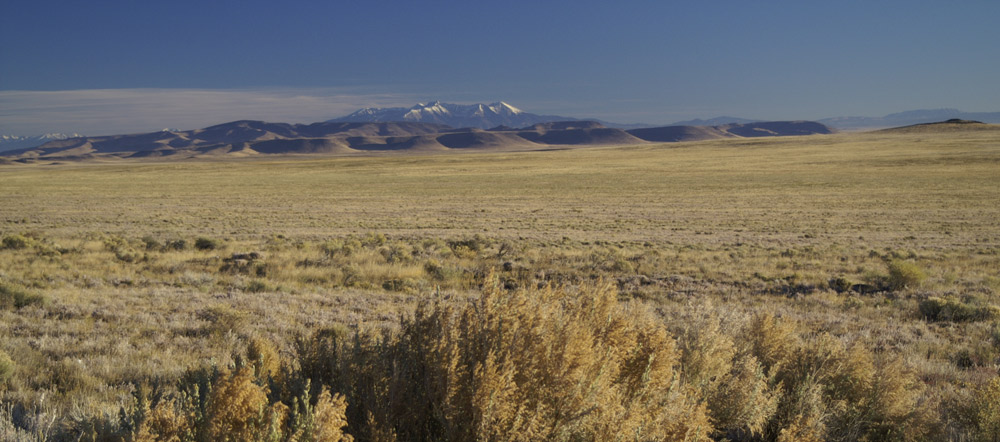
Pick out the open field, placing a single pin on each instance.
(117, 274)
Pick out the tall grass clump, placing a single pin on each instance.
(252, 400)
(541, 364)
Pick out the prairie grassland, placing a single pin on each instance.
(116, 274)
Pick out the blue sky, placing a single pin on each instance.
(127, 66)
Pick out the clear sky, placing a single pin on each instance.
(100, 67)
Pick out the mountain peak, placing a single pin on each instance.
(483, 116)
(12, 142)
(501, 107)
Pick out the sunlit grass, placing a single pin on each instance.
(751, 226)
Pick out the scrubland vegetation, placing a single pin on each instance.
(839, 287)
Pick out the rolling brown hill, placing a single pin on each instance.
(249, 138)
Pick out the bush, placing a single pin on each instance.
(952, 309)
(16, 242)
(203, 243)
(151, 243)
(12, 296)
(256, 286)
(235, 404)
(840, 285)
(546, 364)
(70, 376)
(6, 367)
(223, 319)
(832, 391)
(985, 411)
(904, 275)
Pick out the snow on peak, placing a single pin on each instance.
(478, 115)
(501, 107)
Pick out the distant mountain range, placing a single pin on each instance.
(486, 116)
(482, 116)
(10, 142)
(908, 118)
(899, 119)
(434, 126)
(505, 116)
(247, 138)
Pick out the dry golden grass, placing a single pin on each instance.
(841, 243)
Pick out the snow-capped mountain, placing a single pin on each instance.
(483, 116)
(12, 142)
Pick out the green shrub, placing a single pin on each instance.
(6, 367)
(256, 286)
(440, 272)
(203, 243)
(953, 309)
(70, 376)
(397, 253)
(16, 242)
(12, 296)
(841, 284)
(985, 411)
(151, 243)
(904, 275)
(400, 285)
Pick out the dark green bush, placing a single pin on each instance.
(16, 242)
(841, 284)
(256, 286)
(954, 309)
(203, 243)
(12, 296)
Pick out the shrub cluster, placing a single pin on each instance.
(545, 364)
(514, 365)
(14, 296)
(16, 242)
(253, 400)
(954, 309)
(984, 411)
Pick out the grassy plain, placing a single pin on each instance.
(805, 228)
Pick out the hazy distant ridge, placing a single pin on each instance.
(908, 118)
